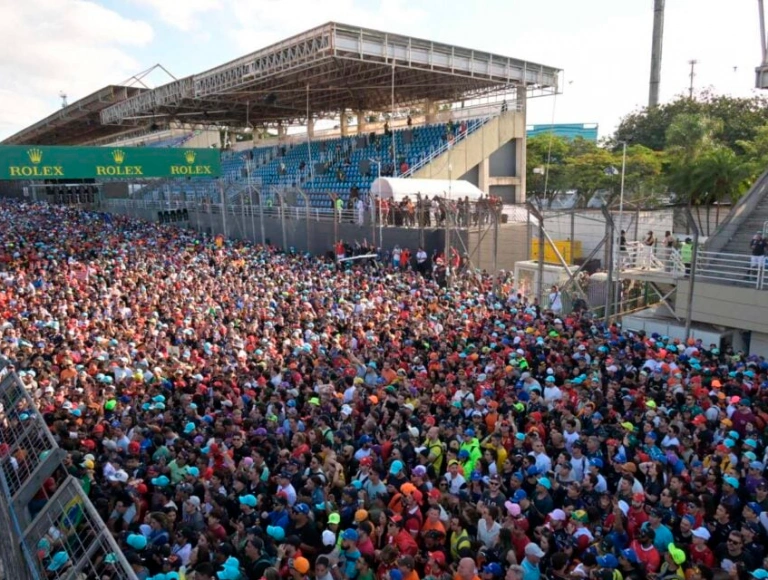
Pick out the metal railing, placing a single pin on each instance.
(728, 228)
(449, 143)
(467, 218)
(716, 267)
(57, 536)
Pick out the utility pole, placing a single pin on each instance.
(692, 75)
(656, 45)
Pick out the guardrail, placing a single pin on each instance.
(738, 213)
(59, 535)
(717, 267)
(461, 136)
(465, 219)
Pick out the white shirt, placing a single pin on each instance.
(570, 439)
(290, 493)
(455, 483)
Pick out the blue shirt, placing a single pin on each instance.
(663, 538)
(530, 571)
(349, 559)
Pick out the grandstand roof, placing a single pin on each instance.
(331, 67)
(77, 123)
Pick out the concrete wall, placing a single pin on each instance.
(316, 237)
(758, 344)
(505, 192)
(476, 147)
(473, 176)
(510, 248)
(729, 306)
(502, 161)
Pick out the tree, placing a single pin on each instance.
(586, 172)
(688, 137)
(720, 175)
(642, 175)
(648, 126)
(739, 119)
(546, 153)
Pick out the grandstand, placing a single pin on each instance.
(334, 71)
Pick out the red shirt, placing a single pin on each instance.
(649, 558)
(702, 555)
(404, 542)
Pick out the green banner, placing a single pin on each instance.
(126, 163)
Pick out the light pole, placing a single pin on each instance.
(378, 186)
(621, 190)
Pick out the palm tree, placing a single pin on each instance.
(689, 136)
(719, 174)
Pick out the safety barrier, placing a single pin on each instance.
(57, 536)
(718, 267)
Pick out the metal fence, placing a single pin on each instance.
(46, 536)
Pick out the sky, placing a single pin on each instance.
(603, 46)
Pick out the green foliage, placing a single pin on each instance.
(586, 167)
(706, 150)
(738, 119)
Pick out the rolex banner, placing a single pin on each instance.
(123, 163)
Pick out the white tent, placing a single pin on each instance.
(397, 188)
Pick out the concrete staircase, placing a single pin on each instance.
(746, 218)
(475, 148)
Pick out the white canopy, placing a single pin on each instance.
(397, 188)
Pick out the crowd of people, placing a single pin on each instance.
(241, 413)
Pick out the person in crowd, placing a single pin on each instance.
(238, 412)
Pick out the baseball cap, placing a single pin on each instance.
(534, 550)
(329, 538)
(334, 518)
(249, 500)
(557, 515)
(350, 534)
(701, 532)
(301, 565)
(760, 574)
(630, 555)
(608, 561)
(438, 557)
(301, 508)
(580, 516)
(755, 507)
(493, 568)
(396, 467)
(678, 555)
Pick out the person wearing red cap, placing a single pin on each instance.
(435, 565)
(636, 516)
(400, 537)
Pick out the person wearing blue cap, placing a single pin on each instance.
(492, 571)
(349, 554)
(542, 501)
(629, 565)
(730, 495)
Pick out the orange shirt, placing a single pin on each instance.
(412, 576)
(429, 526)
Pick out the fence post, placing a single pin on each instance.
(609, 251)
(694, 268)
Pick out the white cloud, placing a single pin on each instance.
(263, 22)
(181, 14)
(46, 50)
